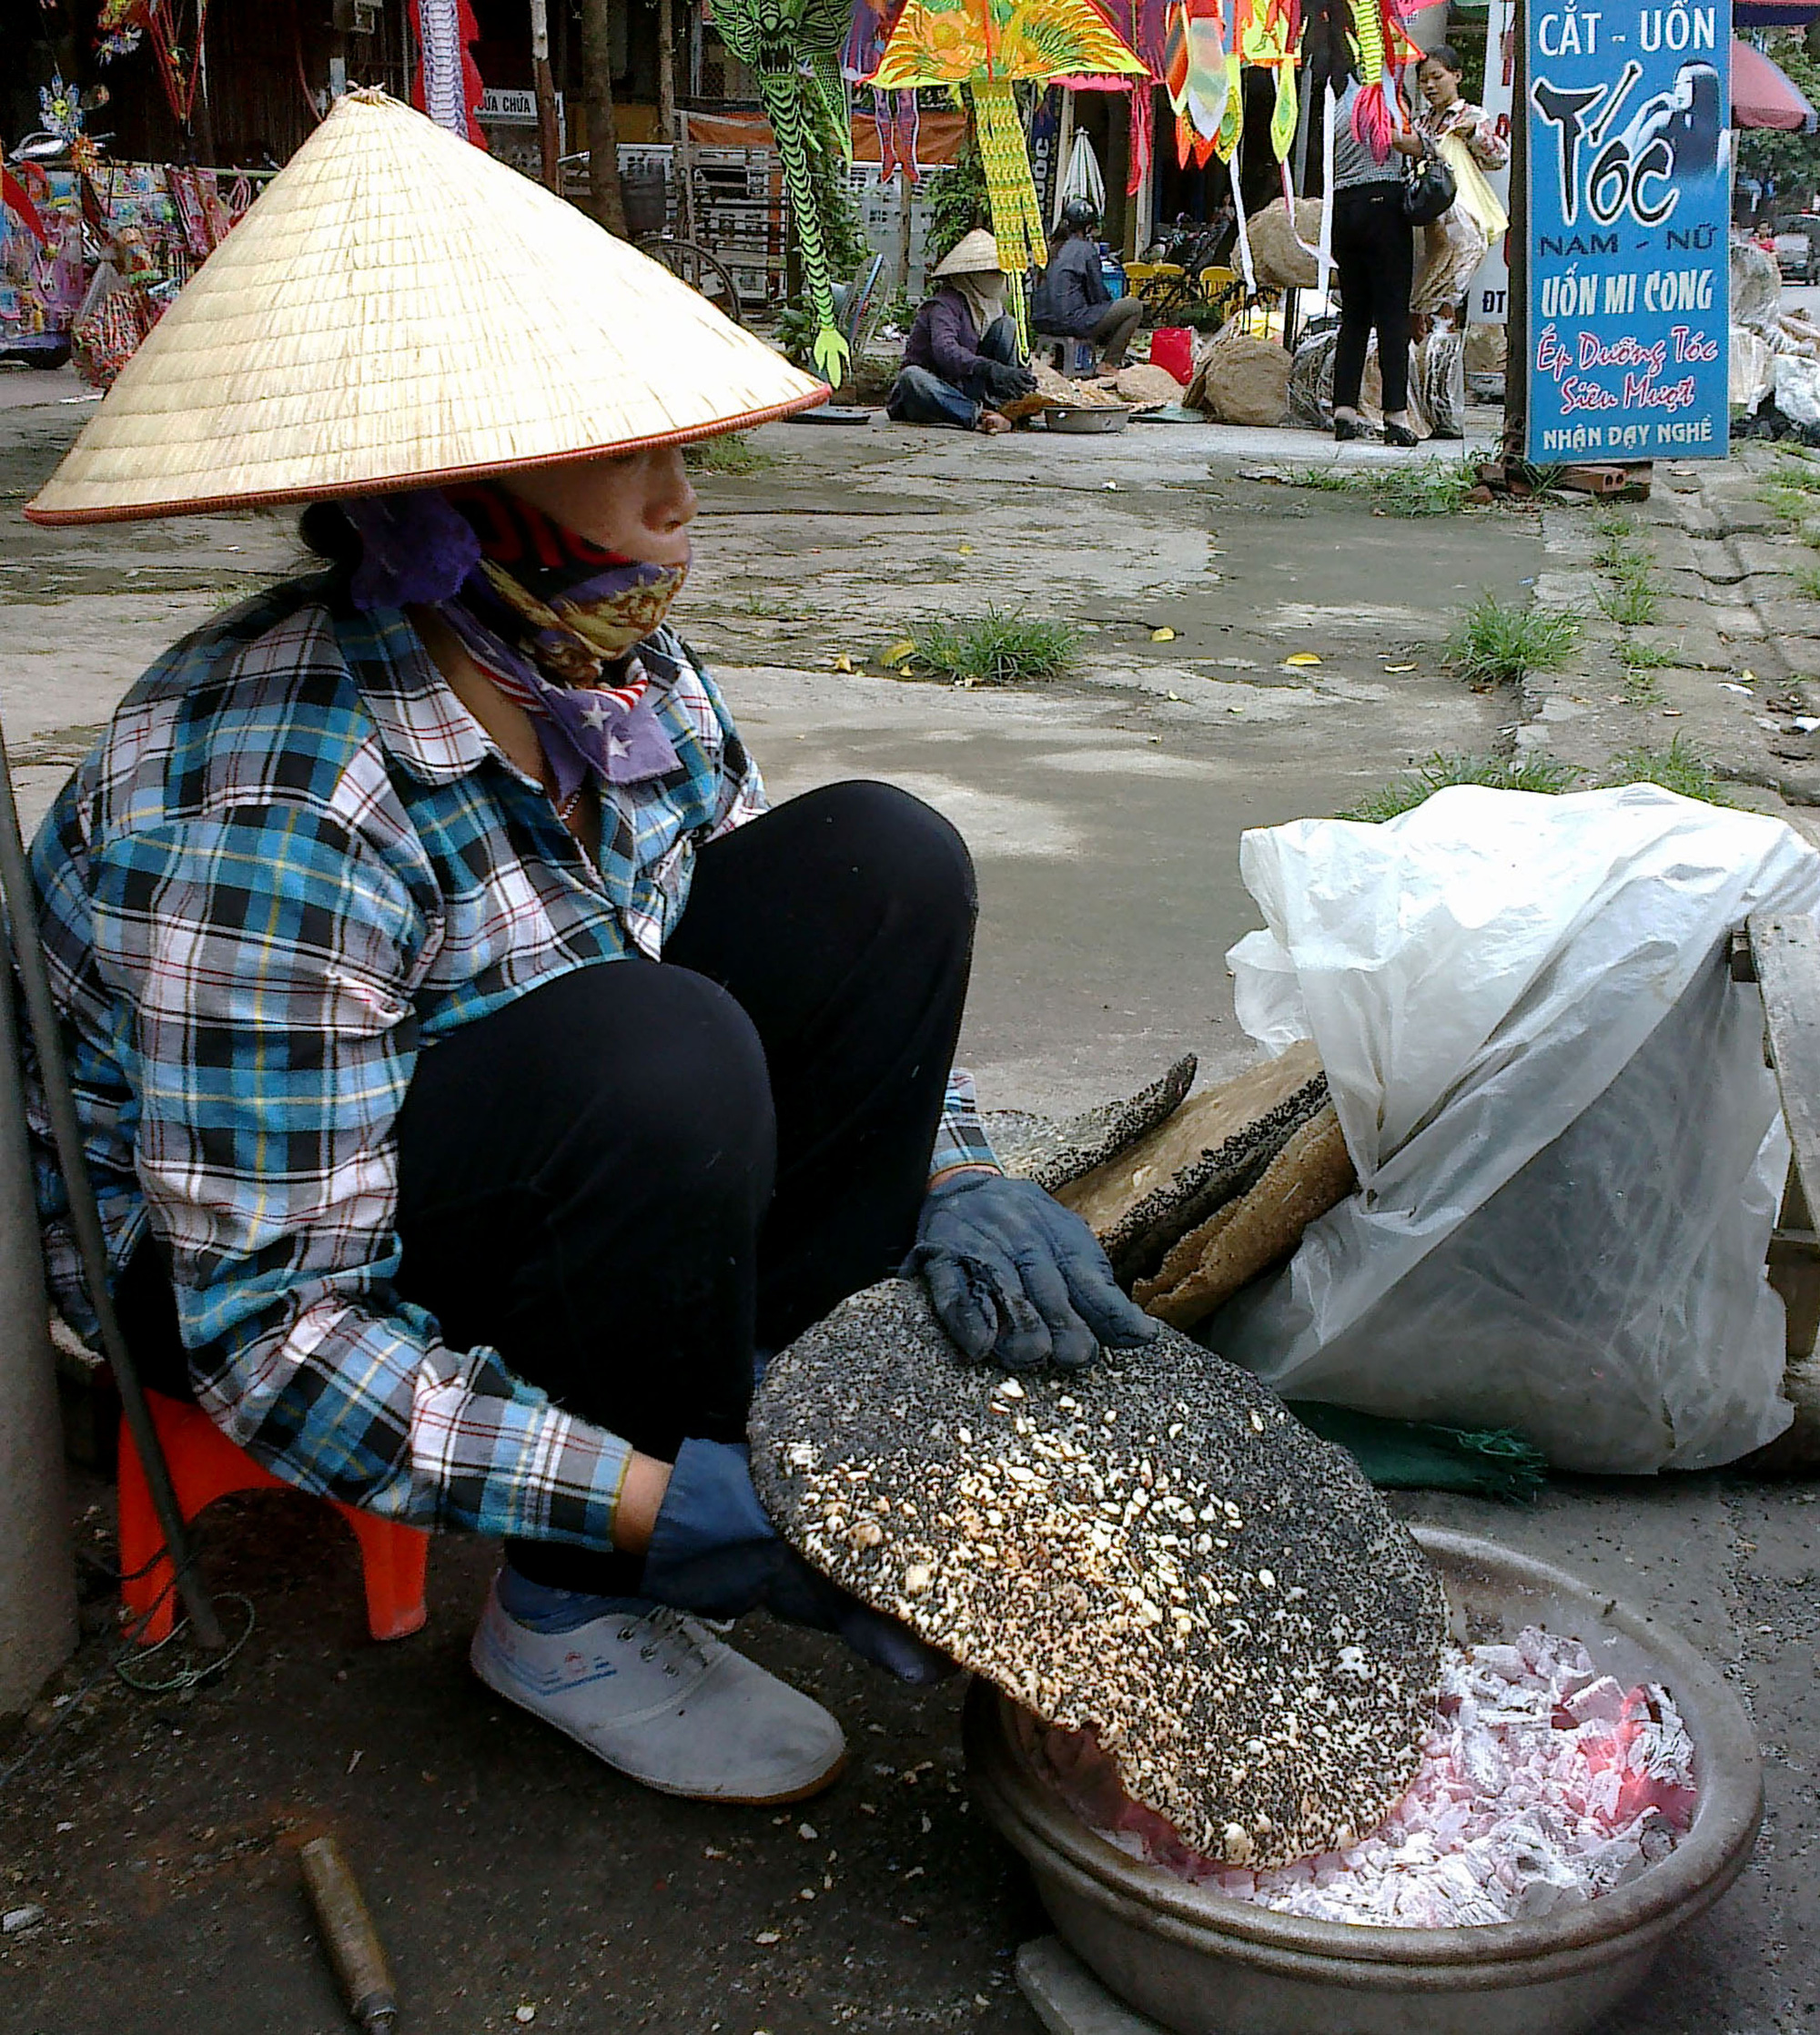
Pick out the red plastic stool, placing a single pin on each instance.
(205, 1466)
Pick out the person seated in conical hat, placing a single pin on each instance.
(961, 360)
(477, 1075)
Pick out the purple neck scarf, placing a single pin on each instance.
(539, 610)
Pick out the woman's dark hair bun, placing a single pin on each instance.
(1447, 57)
(327, 532)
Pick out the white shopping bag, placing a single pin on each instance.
(1569, 1148)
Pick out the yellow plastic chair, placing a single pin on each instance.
(1158, 285)
(1218, 282)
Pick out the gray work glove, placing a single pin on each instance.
(713, 1551)
(1015, 1278)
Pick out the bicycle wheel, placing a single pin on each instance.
(696, 267)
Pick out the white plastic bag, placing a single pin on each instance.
(1569, 1149)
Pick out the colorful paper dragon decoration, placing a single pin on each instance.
(793, 48)
(987, 46)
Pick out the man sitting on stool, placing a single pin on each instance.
(1072, 301)
(961, 358)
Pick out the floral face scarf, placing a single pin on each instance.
(543, 612)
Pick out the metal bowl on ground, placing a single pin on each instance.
(1200, 1963)
(1085, 417)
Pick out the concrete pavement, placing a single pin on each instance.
(509, 1871)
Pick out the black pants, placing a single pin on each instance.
(628, 1180)
(1374, 250)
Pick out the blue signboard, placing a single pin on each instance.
(1630, 173)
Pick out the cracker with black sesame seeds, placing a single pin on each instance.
(1152, 1549)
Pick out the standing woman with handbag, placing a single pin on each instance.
(1375, 254)
(1467, 138)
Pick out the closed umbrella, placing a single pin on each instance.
(1765, 96)
(1082, 178)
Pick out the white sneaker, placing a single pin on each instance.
(658, 1696)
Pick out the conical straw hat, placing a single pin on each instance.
(400, 309)
(974, 254)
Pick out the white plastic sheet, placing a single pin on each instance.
(1569, 1149)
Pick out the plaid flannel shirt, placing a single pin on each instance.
(292, 863)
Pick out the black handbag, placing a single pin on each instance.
(1429, 190)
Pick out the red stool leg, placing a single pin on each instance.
(205, 1466)
(141, 1538)
(393, 1559)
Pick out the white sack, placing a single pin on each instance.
(1797, 388)
(1750, 368)
(1570, 1152)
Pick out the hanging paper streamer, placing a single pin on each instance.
(1196, 76)
(448, 82)
(1016, 217)
(1143, 138)
(1267, 42)
(1245, 268)
(120, 25)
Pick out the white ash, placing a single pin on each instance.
(1542, 1785)
(1152, 1547)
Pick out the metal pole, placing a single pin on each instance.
(1517, 249)
(37, 1568)
(16, 884)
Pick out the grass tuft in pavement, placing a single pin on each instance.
(1641, 661)
(1678, 768)
(1641, 657)
(1503, 773)
(1434, 487)
(1628, 559)
(1797, 471)
(727, 454)
(1617, 535)
(997, 648)
(1806, 579)
(1633, 601)
(1499, 643)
